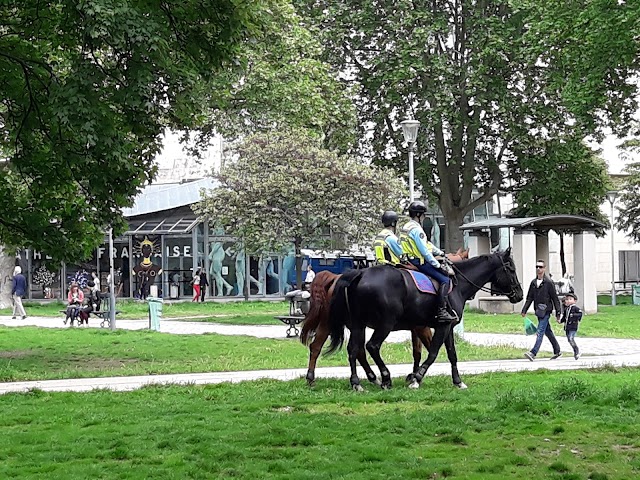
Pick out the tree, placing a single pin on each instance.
(284, 188)
(86, 90)
(629, 202)
(560, 177)
(284, 83)
(484, 78)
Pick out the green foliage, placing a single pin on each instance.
(284, 83)
(86, 90)
(559, 177)
(284, 188)
(629, 201)
(483, 78)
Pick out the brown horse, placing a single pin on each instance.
(315, 328)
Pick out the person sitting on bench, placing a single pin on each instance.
(91, 303)
(75, 299)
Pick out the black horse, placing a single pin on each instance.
(384, 298)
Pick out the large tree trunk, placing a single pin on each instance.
(7, 264)
(454, 237)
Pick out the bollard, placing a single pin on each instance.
(155, 312)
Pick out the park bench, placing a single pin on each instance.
(298, 308)
(102, 313)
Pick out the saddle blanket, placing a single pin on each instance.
(422, 282)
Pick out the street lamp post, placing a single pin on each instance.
(612, 196)
(112, 293)
(410, 132)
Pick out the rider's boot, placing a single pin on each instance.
(443, 315)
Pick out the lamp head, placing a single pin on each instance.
(410, 130)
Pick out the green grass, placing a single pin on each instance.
(208, 311)
(30, 353)
(542, 425)
(610, 322)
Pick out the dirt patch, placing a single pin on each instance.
(102, 363)
(13, 354)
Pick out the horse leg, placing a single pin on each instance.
(449, 344)
(321, 335)
(355, 346)
(436, 342)
(416, 345)
(371, 376)
(373, 347)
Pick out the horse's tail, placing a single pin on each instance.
(319, 307)
(341, 308)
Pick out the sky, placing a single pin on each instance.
(176, 164)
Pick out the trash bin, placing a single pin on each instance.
(155, 312)
(636, 294)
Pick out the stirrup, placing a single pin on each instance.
(443, 315)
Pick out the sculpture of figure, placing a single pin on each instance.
(216, 257)
(241, 265)
(288, 265)
(265, 270)
(146, 271)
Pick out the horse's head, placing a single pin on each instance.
(506, 279)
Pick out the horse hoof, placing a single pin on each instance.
(357, 388)
(386, 386)
(414, 384)
(311, 383)
(410, 378)
(461, 385)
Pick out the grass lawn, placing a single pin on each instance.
(252, 313)
(31, 353)
(535, 425)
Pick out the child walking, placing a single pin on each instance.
(571, 317)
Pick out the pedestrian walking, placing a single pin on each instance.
(542, 293)
(18, 290)
(195, 282)
(571, 317)
(204, 283)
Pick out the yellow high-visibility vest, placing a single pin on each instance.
(408, 244)
(384, 254)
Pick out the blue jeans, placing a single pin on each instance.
(432, 271)
(571, 336)
(544, 328)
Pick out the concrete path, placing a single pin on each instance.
(597, 352)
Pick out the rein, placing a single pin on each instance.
(482, 287)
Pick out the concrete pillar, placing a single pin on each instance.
(542, 250)
(584, 283)
(525, 257)
(479, 244)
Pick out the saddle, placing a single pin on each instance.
(423, 283)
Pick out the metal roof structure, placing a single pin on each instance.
(156, 198)
(570, 223)
(165, 226)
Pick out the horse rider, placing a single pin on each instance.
(420, 253)
(386, 247)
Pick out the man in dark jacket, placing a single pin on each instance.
(542, 293)
(18, 290)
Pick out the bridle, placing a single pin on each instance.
(510, 294)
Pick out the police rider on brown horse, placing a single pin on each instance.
(420, 253)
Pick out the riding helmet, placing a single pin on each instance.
(417, 207)
(389, 218)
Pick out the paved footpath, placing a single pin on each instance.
(597, 352)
